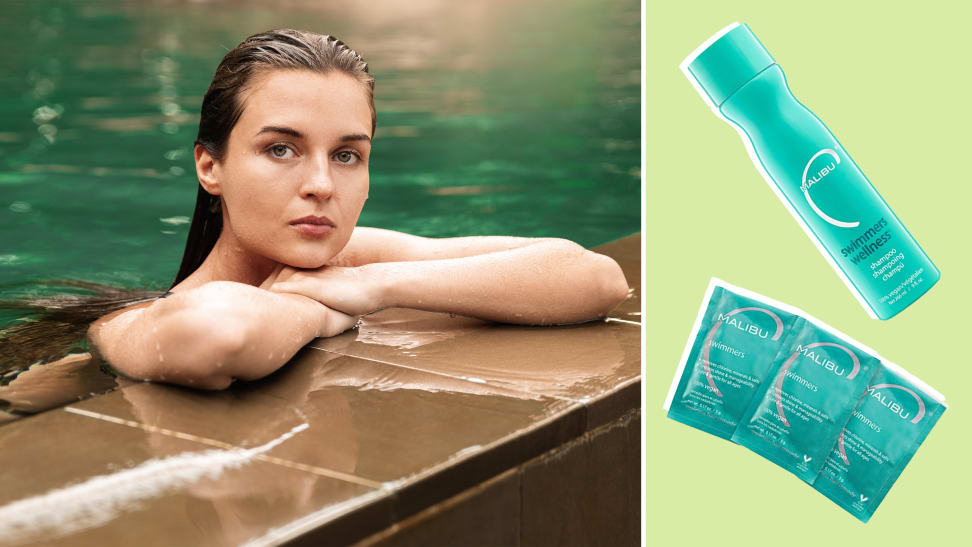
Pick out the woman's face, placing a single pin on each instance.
(300, 149)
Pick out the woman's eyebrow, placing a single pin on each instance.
(298, 135)
(285, 130)
(355, 137)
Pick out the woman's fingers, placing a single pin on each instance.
(340, 322)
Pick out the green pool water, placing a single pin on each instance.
(516, 118)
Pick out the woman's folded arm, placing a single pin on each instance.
(211, 335)
(535, 281)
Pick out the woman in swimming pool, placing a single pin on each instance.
(274, 258)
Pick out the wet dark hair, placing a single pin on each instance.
(50, 327)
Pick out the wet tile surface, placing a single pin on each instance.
(125, 485)
(367, 420)
(8, 417)
(576, 362)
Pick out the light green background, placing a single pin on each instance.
(894, 86)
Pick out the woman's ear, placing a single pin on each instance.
(205, 165)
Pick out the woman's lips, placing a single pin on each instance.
(313, 230)
(313, 225)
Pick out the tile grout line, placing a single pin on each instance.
(149, 428)
(322, 471)
(227, 446)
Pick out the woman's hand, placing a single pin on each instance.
(335, 322)
(353, 291)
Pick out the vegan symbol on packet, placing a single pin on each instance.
(886, 429)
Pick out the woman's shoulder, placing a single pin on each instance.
(124, 314)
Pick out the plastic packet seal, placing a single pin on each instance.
(894, 417)
(735, 338)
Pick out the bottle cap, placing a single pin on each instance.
(726, 61)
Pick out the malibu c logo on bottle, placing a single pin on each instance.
(810, 179)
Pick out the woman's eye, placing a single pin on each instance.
(280, 151)
(345, 156)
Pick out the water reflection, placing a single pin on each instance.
(249, 415)
(576, 362)
(276, 448)
(356, 410)
(102, 499)
(43, 387)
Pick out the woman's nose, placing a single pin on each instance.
(317, 181)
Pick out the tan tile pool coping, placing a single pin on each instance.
(356, 433)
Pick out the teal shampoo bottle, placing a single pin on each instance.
(811, 173)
